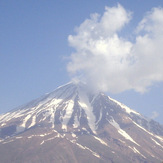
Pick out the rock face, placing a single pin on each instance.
(74, 125)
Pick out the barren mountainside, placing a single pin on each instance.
(74, 125)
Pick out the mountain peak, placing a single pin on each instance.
(72, 112)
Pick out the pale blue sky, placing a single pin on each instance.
(34, 49)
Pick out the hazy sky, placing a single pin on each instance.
(43, 44)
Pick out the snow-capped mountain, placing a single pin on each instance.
(72, 124)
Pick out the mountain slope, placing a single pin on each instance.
(72, 124)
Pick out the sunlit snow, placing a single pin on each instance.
(122, 132)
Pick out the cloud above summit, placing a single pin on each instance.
(107, 61)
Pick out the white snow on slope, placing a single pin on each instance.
(156, 136)
(127, 109)
(73, 135)
(85, 104)
(67, 116)
(10, 115)
(40, 135)
(52, 112)
(2, 117)
(27, 113)
(122, 132)
(76, 122)
(25, 121)
(100, 140)
(8, 142)
(157, 143)
(33, 121)
(52, 138)
(100, 117)
(84, 147)
(136, 151)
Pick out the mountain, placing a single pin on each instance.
(75, 125)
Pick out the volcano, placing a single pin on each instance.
(74, 125)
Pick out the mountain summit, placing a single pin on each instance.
(72, 125)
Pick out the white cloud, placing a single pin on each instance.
(108, 62)
(148, 50)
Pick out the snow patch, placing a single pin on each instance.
(85, 104)
(41, 135)
(84, 147)
(23, 125)
(156, 136)
(52, 117)
(127, 109)
(3, 124)
(42, 142)
(121, 141)
(73, 135)
(99, 119)
(18, 137)
(136, 151)
(33, 122)
(8, 141)
(122, 132)
(157, 142)
(68, 114)
(100, 140)
(76, 122)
